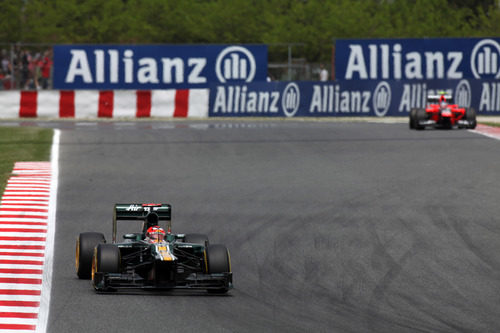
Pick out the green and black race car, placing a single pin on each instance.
(177, 261)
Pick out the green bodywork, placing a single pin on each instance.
(172, 263)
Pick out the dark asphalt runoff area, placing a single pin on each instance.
(331, 226)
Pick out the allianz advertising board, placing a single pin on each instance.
(417, 59)
(350, 98)
(156, 66)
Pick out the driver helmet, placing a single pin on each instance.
(155, 234)
(442, 101)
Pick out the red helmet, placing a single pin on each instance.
(155, 234)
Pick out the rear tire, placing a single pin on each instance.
(470, 116)
(85, 244)
(218, 261)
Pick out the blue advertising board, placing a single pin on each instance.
(347, 98)
(156, 66)
(417, 59)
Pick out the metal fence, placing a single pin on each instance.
(25, 66)
(29, 66)
(286, 63)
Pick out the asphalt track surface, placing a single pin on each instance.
(332, 226)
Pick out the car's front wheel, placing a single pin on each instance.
(218, 261)
(470, 115)
(106, 259)
(420, 116)
(85, 244)
(412, 118)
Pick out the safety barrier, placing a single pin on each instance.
(82, 104)
(370, 98)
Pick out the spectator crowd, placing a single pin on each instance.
(25, 69)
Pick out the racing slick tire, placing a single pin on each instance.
(106, 259)
(201, 239)
(85, 244)
(413, 113)
(470, 116)
(218, 261)
(420, 115)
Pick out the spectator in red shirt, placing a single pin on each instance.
(46, 66)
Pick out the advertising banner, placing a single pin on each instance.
(347, 98)
(417, 59)
(108, 67)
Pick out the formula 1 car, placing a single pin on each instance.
(442, 113)
(177, 261)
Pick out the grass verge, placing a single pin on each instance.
(493, 124)
(22, 144)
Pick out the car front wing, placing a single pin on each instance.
(115, 281)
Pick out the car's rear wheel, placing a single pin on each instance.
(85, 244)
(420, 116)
(470, 116)
(218, 261)
(106, 259)
(201, 239)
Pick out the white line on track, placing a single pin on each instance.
(489, 131)
(43, 314)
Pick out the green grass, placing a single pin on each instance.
(22, 144)
(490, 124)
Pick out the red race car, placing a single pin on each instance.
(442, 113)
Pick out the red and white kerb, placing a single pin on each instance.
(489, 131)
(89, 104)
(24, 210)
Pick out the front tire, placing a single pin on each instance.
(106, 259)
(420, 115)
(412, 118)
(470, 116)
(85, 244)
(218, 261)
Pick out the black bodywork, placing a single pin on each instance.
(175, 263)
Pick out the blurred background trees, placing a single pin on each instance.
(312, 25)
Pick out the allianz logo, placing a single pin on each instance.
(234, 63)
(414, 95)
(327, 99)
(489, 96)
(241, 99)
(291, 99)
(384, 61)
(484, 60)
(463, 94)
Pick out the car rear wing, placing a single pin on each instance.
(435, 99)
(147, 212)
